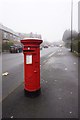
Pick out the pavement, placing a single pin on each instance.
(59, 90)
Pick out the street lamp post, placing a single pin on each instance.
(71, 21)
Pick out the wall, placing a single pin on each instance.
(0, 40)
(79, 16)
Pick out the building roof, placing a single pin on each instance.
(2, 27)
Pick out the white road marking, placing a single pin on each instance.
(51, 54)
(44, 61)
(60, 53)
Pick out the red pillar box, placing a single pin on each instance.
(31, 50)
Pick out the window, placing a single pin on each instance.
(5, 35)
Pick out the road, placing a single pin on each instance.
(10, 61)
(59, 88)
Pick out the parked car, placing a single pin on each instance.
(45, 46)
(40, 47)
(15, 49)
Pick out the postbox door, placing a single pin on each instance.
(36, 71)
(28, 71)
(31, 72)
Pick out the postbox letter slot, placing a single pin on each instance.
(28, 50)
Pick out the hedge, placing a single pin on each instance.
(6, 45)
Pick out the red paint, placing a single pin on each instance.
(32, 71)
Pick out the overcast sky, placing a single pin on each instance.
(50, 18)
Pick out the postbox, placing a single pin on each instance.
(31, 51)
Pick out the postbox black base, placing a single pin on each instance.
(32, 94)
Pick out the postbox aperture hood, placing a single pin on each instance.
(35, 41)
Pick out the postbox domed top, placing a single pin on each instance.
(34, 41)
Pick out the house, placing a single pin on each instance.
(7, 34)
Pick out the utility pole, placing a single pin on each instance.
(71, 21)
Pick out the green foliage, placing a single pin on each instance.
(6, 45)
(0, 47)
(76, 45)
